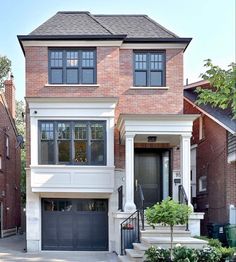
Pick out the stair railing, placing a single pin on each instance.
(141, 206)
(130, 231)
(120, 198)
(183, 199)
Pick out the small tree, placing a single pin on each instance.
(168, 212)
(5, 67)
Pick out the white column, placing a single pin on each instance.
(185, 152)
(129, 169)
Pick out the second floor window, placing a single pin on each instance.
(72, 142)
(7, 147)
(67, 66)
(149, 69)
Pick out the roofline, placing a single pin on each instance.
(196, 84)
(210, 116)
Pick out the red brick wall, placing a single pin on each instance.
(114, 77)
(10, 172)
(212, 162)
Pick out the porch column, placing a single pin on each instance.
(185, 164)
(129, 170)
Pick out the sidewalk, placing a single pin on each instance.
(12, 249)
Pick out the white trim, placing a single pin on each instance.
(150, 87)
(66, 43)
(153, 46)
(231, 157)
(72, 85)
(200, 182)
(196, 84)
(210, 116)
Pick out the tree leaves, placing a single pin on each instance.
(5, 67)
(223, 82)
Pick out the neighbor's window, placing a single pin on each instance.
(72, 142)
(149, 69)
(231, 143)
(202, 184)
(0, 162)
(7, 147)
(69, 66)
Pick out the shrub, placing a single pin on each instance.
(209, 254)
(226, 253)
(185, 254)
(154, 254)
(214, 243)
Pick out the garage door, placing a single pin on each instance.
(75, 224)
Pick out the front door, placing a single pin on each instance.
(151, 171)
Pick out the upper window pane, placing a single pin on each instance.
(63, 130)
(97, 131)
(56, 59)
(80, 131)
(140, 61)
(87, 59)
(72, 59)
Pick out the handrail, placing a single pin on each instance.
(120, 198)
(141, 208)
(183, 199)
(130, 231)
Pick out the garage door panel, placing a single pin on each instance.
(76, 225)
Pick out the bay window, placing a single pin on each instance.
(72, 142)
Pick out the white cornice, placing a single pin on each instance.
(153, 46)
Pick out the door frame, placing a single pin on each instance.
(158, 151)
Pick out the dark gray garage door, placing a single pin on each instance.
(75, 224)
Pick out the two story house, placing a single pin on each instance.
(10, 166)
(213, 159)
(104, 98)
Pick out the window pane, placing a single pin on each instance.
(97, 152)
(80, 148)
(47, 131)
(87, 59)
(56, 59)
(64, 151)
(47, 152)
(72, 59)
(50, 205)
(140, 61)
(64, 205)
(87, 76)
(92, 205)
(56, 76)
(80, 131)
(72, 76)
(156, 78)
(63, 131)
(97, 131)
(140, 78)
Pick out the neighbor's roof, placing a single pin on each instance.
(222, 117)
(82, 24)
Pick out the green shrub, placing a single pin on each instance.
(226, 253)
(154, 254)
(214, 243)
(185, 254)
(209, 254)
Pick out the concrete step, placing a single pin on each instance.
(164, 242)
(124, 259)
(135, 255)
(140, 246)
(165, 232)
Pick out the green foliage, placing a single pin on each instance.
(5, 67)
(223, 94)
(214, 243)
(226, 252)
(20, 125)
(185, 254)
(154, 254)
(209, 254)
(168, 212)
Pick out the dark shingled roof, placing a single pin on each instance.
(84, 23)
(223, 116)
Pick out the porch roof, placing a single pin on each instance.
(154, 124)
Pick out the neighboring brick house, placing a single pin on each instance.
(214, 145)
(10, 167)
(104, 100)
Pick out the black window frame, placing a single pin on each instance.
(65, 67)
(72, 140)
(148, 69)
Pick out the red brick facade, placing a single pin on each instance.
(114, 79)
(10, 171)
(212, 162)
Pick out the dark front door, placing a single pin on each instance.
(151, 171)
(75, 224)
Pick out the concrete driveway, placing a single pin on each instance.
(12, 249)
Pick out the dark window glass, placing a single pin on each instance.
(92, 205)
(97, 152)
(80, 148)
(97, 131)
(64, 151)
(149, 69)
(50, 205)
(64, 206)
(47, 152)
(80, 131)
(72, 67)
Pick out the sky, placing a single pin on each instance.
(211, 24)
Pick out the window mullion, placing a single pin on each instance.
(55, 143)
(148, 70)
(72, 137)
(89, 143)
(64, 62)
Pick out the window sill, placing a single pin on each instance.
(72, 85)
(71, 166)
(150, 87)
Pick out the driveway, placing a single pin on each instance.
(12, 249)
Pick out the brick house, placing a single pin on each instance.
(9, 163)
(104, 100)
(213, 159)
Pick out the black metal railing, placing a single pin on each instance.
(183, 199)
(120, 198)
(130, 231)
(140, 207)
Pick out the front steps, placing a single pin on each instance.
(160, 237)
